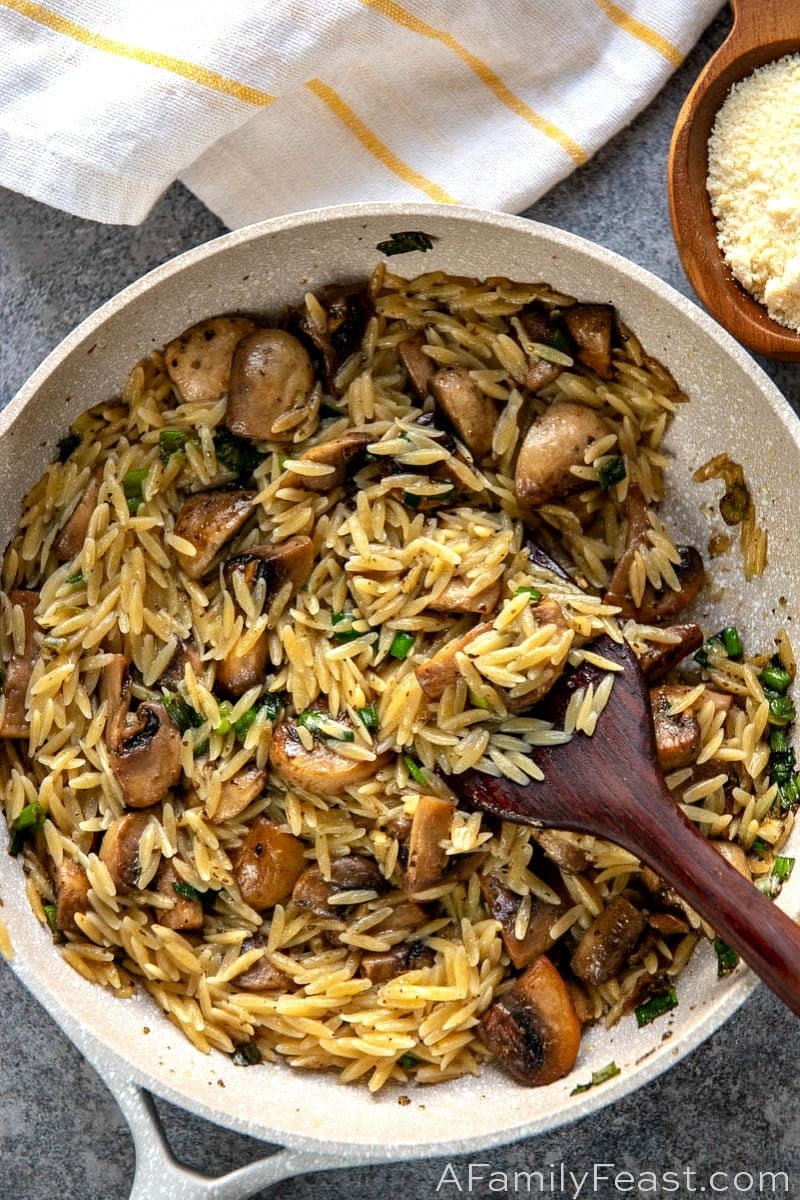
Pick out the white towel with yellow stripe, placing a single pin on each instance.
(264, 107)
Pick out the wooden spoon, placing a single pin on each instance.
(610, 785)
(763, 30)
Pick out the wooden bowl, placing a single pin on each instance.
(763, 31)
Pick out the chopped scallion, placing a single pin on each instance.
(781, 710)
(181, 888)
(180, 712)
(343, 627)
(238, 455)
(369, 717)
(170, 441)
(25, 826)
(133, 487)
(270, 705)
(782, 867)
(728, 640)
(51, 916)
(415, 770)
(775, 679)
(601, 1076)
(405, 242)
(74, 580)
(612, 471)
(225, 710)
(656, 1006)
(401, 645)
(727, 958)
(533, 592)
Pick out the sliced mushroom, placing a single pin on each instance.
(472, 414)
(677, 733)
(338, 454)
(733, 853)
(503, 905)
(419, 366)
(562, 849)
(199, 361)
(441, 670)
(185, 912)
(275, 564)
(347, 312)
(19, 668)
(429, 865)
(144, 747)
(379, 966)
(119, 850)
(73, 532)
(607, 943)
(239, 791)
(456, 597)
(267, 864)
(262, 976)
(591, 327)
(666, 897)
(174, 673)
(661, 657)
(208, 520)
(533, 1029)
(271, 376)
(556, 441)
(319, 770)
(540, 326)
(351, 873)
(655, 605)
(72, 894)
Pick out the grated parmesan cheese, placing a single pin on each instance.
(754, 185)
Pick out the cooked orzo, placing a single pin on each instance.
(269, 601)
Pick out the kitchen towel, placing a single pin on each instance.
(264, 107)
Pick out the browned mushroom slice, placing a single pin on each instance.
(274, 564)
(607, 942)
(660, 658)
(347, 312)
(352, 873)
(677, 733)
(429, 865)
(457, 598)
(199, 361)
(503, 905)
(208, 520)
(338, 454)
(174, 673)
(419, 366)
(72, 894)
(144, 747)
(472, 415)
(73, 532)
(239, 791)
(533, 1029)
(539, 326)
(655, 605)
(666, 897)
(319, 770)
(271, 376)
(441, 669)
(185, 912)
(267, 864)
(19, 668)
(379, 966)
(262, 976)
(119, 850)
(556, 441)
(667, 924)
(562, 849)
(591, 327)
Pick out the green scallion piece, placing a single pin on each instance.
(401, 645)
(369, 717)
(789, 792)
(656, 1006)
(782, 867)
(170, 441)
(235, 454)
(74, 580)
(346, 633)
(25, 826)
(781, 710)
(225, 710)
(478, 701)
(407, 1061)
(415, 770)
(533, 592)
(405, 242)
(775, 679)
(727, 958)
(610, 472)
(181, 888)
(732, 641)
(247, 1055)
(133, 485)
(180, 712)
(311, 721)
(601, 1076)
(51, 916)
(411, 500)
(760, 846)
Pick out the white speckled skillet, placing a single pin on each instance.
(734, 408)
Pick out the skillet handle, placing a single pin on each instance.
(159, 1175)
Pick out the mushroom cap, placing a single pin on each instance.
(319, 770)
(267, 864)
(556, 441)
(271, 376)
(198, 361)
(533, 1028)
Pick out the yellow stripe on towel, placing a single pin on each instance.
(486, 75)
(151, 58)
(644, 33)
(374, 144)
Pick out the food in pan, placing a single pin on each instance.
(304, 570)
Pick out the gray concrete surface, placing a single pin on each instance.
(731, 1106)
